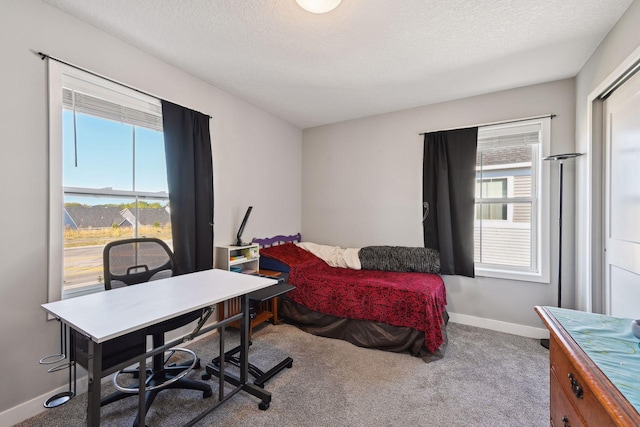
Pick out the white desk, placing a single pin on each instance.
(107, 315)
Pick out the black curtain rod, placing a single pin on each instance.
(494, 123)
(44, 56)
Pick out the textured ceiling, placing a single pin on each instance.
(365, 57)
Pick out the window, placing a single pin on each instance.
(108, 175)
(491, 188)
(511, 208)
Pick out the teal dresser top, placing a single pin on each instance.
(610, 344)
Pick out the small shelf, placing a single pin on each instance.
(225, 257)
(242, 261)
(261, 317)
(267, 310)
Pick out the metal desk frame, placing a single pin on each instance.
(66, 311)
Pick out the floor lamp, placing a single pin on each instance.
(560, 158)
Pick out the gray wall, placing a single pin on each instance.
(619, 44)
(362, 185)
(248, 147)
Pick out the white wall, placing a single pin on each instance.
(622, 43)
(362, 185)
(254, 152)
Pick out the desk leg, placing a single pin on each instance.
(242, 382)
(142, 379)
(252, 389)
(94, 369)
(222, 374)
(244, 339)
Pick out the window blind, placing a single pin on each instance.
(94, 106)
(508, 141)
(513, 136)
(98, 97)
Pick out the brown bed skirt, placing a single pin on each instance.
(362, 333)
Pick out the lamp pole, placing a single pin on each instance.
(560, 158)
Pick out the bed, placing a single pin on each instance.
(395, 311)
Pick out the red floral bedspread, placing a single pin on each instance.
(414, 300)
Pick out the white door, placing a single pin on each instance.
(622, 200)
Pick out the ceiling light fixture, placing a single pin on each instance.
(318, 6)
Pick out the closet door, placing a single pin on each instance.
(622, 200)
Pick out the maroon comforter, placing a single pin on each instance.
(414, 300)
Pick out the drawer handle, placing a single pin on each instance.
(575, 386)
(565, 420)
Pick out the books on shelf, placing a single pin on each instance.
(251, 253)
(237, 258)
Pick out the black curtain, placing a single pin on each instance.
(187, 144)
(449, 175)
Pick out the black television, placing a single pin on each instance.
(241, 229)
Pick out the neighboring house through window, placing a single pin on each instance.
(491, 188)
(108, 175)
(511, 206)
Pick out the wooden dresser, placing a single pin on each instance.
(580, 393)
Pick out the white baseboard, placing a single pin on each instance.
(33, 407)
(497, 325)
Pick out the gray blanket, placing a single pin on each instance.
(400, 259)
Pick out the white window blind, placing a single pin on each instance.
(494, 138)
(107, 100)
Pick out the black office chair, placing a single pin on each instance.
(129, 262)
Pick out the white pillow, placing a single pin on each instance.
(335, 256)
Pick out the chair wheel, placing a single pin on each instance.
(206, 376)
(207, 393)
(263, 405)
(290, 365)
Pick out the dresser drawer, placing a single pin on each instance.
(563, 414)
(576, 390)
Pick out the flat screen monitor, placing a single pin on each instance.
(244, 222)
